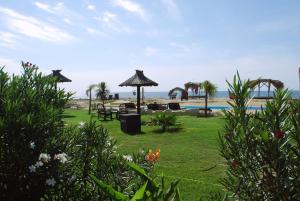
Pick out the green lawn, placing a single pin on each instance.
(186, 154)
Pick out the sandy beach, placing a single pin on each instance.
(83, 103)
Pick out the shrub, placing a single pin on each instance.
(150, 190)
(262, 149)
(92, 151)
(164, 121)
(41, 159)
(31, 124)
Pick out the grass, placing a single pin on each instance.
(187, 154)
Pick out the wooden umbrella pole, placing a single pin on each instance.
(138, 102)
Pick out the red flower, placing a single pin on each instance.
(152, 157)
(232, 96)
(279, 134)
(234, 164)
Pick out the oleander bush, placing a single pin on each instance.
(92, 151)
(31, 109)
(262, 149)
(42, 158)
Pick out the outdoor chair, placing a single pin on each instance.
(157, 106)
(152, 106)
(174, 106)
(104, 112)
(125, 108)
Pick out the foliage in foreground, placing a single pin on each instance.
(30, 129)
(262, 150)
(92, 151)
(150, 190)
(153, 189)
(41, 158)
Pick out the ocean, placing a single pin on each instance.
(219, 94)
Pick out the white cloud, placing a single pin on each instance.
(66, 20)
(7, 39)
(31, 27)
(42, 6)
(149, 51)
(60, 10)
(96, 32)
(110, 21)
(91, 7)
(172, 8)
(132, 7)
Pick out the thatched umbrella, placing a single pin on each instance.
(138, 80)
(194, 86)
(267, 82)
(59, 76)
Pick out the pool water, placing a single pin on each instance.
(188, 107)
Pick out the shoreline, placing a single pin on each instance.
(83, 103)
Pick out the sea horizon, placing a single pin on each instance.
(164, 94)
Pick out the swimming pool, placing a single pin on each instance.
(189, 107)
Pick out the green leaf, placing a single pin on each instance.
(177, 195)
(142, 173)
(264, 135)
(139, 195)
(171, 189)
(108, 189)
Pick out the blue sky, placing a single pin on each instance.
(173, 41)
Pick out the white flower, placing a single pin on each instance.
(127, 157)
(45, 158)
(81, 124)
(50, 182)
(72, 178)
(32, 168)
(39, 164)
(61, 157)
(32, 145)
(108, 143)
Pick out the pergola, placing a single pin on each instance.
(194, 86)
(265, 82)
(184, 93)
(138, 80)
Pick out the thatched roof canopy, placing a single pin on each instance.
(59, 76)
(176, 89)
(194, 86)
(276, 83)
(138, 79)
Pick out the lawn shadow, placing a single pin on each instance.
(169, 130)
(139, 133)
(65, 116)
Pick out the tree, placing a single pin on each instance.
(210, 90)
(262, 149)
(102, 91)
(89, 93)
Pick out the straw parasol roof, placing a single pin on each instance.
(276, 83)
(59, 76)
(138, 79)
(194, 86)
